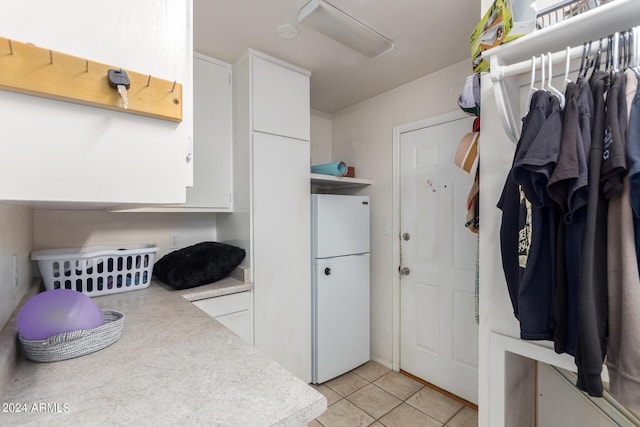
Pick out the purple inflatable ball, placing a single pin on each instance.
(57, 311)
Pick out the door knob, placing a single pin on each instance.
(405, 271)
(327, 271)
(406, 237)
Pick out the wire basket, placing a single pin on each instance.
(97, 270)
(564, 10)
(77, 343)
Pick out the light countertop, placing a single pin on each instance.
(172, 365)
(222, 287)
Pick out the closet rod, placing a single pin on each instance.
(503, 71)
(506, 88)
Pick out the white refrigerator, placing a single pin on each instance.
(340, 284)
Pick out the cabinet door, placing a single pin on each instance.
(280, 100)
(212, 144)
(233, 311)
(60, 152)
(281, 251)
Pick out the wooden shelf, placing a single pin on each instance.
(321, 182)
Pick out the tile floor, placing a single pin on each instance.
(373, 395)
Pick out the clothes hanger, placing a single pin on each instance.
(629, 48)
(550, 87)
(615, 53)
(532, 88)
(542, 71)
(626, 39)
(633, 44)
(607, 61)
(567, 62)
(636, 50)
(608, 68)
(595, 65)
(584, 62)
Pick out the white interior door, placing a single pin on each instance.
(439, 335)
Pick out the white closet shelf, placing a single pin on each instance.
(329, 182)
(590, 25)
(163, 208)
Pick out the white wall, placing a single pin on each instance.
(23, 230)
(16, 236)
(77, 228)
(321, 127)
(362, 137)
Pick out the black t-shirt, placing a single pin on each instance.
(577, 126)
(564, 176)
(528, 219)
(509, 202)
(592, 293)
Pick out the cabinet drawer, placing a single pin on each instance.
(240, 323)
(235, 311)
(226, 304)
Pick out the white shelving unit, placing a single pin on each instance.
(507, 364)
(323, 183)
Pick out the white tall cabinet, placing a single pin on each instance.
(271, 218)
(514, 386)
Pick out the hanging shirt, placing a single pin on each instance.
(527, 221)
(633, 157)
(614, 163)
(510, 202)
(533, 171)
(575, 219)
(567, 187)
(592, 294)
(623, 350)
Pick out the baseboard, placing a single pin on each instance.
(384, 362)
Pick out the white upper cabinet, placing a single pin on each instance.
(212, 139)
(280, 97)
(75, 155)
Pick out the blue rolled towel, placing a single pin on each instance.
(334, 168)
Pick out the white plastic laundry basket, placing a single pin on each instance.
(97, 270)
